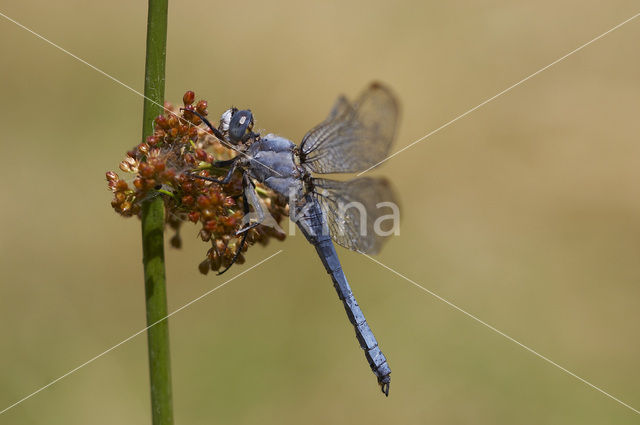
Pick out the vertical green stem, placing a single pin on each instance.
(153, 226)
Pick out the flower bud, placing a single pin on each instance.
(207, 213)
(158, 165)
(122, 186)
(204, 201)
(146, 170)
(169, 175)
(138, 183)
(201, 107)
(204, 266)
(220, 245)
(201, 154)
(161, 121)
(193, 134)
(194, 216)
(215, 259)
(204, 235)
(188, 97)
(176, 241)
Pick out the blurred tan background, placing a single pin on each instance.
(525, 213)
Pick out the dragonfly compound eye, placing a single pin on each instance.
(240, 126)
(225, 119)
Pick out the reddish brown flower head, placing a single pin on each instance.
(164, 165)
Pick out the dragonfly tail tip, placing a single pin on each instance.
(385, 389)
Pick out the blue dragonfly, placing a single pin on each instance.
(354, 137)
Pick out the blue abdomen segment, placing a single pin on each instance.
(312, 224)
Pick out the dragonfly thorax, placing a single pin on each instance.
(272, 162)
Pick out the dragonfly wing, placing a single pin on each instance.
(353, 208)
(355, 136)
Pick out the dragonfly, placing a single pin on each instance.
(354, 137)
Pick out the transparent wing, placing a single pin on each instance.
(353, 137)
(353, 208)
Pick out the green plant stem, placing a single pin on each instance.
(153, 227)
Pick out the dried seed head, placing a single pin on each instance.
(163, 165)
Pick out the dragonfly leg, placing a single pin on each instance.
(226, 179)
(245, 208)
(224, 164)
(236, 255)
(215, 131)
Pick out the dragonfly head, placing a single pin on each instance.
(237, 124)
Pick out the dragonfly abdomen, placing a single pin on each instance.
(312, 223)
(367, 340)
